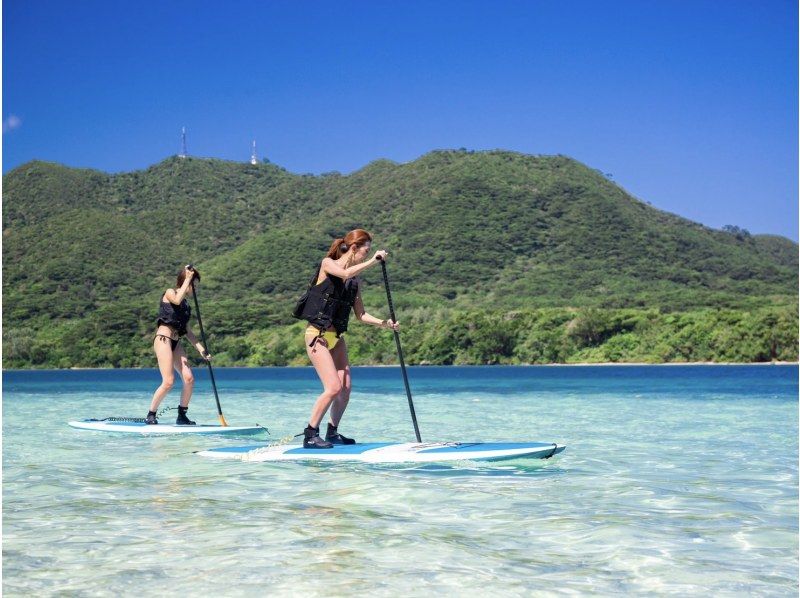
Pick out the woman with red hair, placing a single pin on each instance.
(335, 291)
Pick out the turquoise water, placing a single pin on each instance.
(676, 480)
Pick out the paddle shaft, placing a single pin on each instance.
(208, 363)
(400, 351)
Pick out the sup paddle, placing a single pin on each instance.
(399, 349)
(205, 344)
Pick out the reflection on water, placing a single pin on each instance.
(675, 480)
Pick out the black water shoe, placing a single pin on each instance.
(311, 439)
(151, 418)
(182, 420)
(333, 436)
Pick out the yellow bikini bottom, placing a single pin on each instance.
(313, 334)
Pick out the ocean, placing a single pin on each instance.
(675, 480)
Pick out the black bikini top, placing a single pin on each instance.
(175, 316)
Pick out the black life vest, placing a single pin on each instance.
(175, 316)
(329, 303)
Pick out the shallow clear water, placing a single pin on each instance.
(676, 480)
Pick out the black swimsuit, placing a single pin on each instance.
(176, 317)
(172, 341)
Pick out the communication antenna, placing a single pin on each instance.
(183, 153)
(253, 159)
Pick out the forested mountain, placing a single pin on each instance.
(472, 237)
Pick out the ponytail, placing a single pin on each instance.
(357, 237)
(337, 250)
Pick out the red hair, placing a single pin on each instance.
(358, 237)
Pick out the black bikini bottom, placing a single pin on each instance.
(172, 341)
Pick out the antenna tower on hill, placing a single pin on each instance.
(253, 159)
(183, 153)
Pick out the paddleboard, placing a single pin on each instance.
(131, 427)
(384, 452)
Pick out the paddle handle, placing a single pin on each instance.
(208, 363)
(400, 350)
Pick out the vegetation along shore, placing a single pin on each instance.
(495, 257)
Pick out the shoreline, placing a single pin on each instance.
(671, 363)
(519, 365)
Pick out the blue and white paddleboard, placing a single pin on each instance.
(384, 452)
(129, 427)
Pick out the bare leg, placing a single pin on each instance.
(163, 351)
(181, 364)
(326, 370)
(342, 364)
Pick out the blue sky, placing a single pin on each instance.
(691, 105)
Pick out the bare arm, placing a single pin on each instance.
(176, 297)
(329, 266)
(363, 316)
(197, 344)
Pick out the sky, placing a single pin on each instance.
(690, 105)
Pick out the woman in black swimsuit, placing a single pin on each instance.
(173, 323)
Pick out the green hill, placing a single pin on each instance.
(472, 237)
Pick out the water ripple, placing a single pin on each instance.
(668, 486)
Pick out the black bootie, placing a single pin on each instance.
(311, 439)
(182, 420)
(151, 418)
(333, 436)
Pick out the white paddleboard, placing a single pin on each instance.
(129, 427)
(384, 452)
